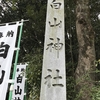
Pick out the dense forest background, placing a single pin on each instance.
(32, 42)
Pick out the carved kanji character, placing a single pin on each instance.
(50, 45)
(55, 23)
(57, 46)
(48, 79)
(57, 79)
(55, 5)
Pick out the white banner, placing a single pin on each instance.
(18, 91)
(8, 36)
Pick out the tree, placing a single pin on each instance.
(33, 40)
(32, 37)
(86, 61)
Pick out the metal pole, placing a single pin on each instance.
(16, 58)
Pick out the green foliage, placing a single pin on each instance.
(96, 87)
(96, 93)
(34, 75)
(32, 42)
(70, 87)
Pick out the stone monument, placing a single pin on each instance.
(53, 85)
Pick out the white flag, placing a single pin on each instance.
(8, 36)
(18, 91)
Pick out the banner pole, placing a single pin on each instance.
(16, 58)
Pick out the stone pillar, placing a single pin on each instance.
(53, 85)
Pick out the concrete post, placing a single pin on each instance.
(53, 85)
